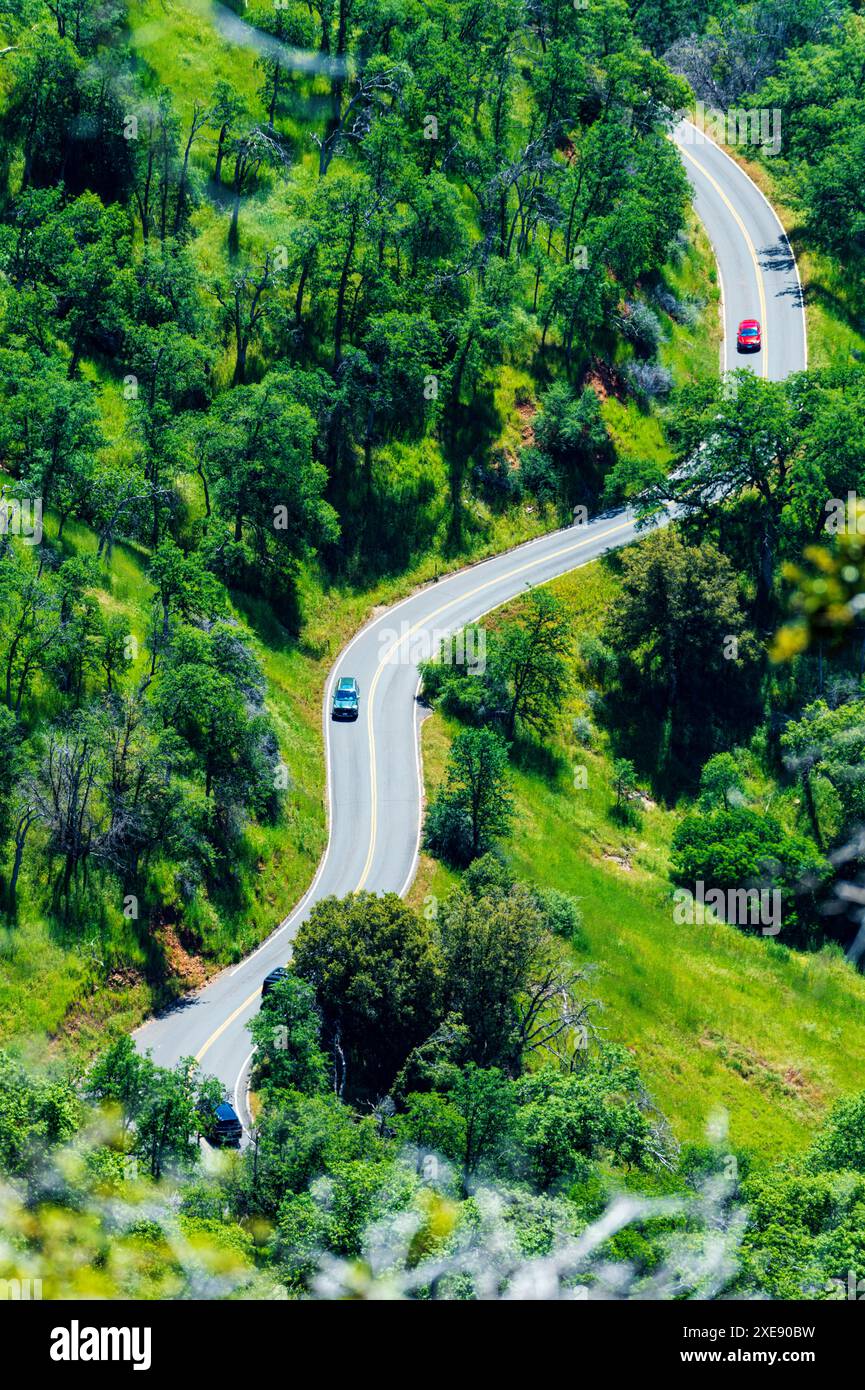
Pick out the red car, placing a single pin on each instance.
(749, 338)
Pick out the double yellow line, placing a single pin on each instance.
(423, 622)
(761, 289)
(491, 583)
(385, 660)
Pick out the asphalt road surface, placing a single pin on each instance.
(373, 764)
(758, 273)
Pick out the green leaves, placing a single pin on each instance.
(376, 972)
(474, 805)
(686, 656)
(570, 432)
(828, 746)
(50, 432)
(531, 659)
(286, 1035)
(36, 1114)
(267, 484)
(162, 1111)
(214, 704)
(730, 436)
(743, 848)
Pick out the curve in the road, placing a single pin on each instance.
(373, 766)
(757, 269)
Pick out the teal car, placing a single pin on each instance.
(346, 699)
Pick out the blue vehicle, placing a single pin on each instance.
(227, 1131)
(346, 699)
(272, 980)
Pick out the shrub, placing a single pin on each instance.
(684, 311)
(448, 831)
(583, 730)
(562, 916)
(642, 327)
(496, 480)
(539, 474)
(649, 380)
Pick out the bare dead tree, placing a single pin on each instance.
(355, 119)
(554, 1014)
(245, 303)
(252, 150)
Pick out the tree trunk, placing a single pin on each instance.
(200, 472)
(20, 841)
(220, 155)
(340, 302)
(271, 115)
(811, 807)
(301, 286)
(239, 377)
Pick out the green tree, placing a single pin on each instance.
(385, 379)
(36, 1115)
(177, 1109)
(301, 1138)
(50, 432)
(687, 659)
(209, 693)
(729, 443)
(286, 1032)
(474, 806)
(163, 1111)
(531, 656)
(472, 1124)
(493, 943)
(376, 972)
(841, 1142)
(565, 1119)
(252, 148)
(827, 746)
(92, 245)
(572, 447)
(31, 624)
(258, 444)
(624, 781)
(741, 849)
(721, 782)
(45, 72)
(184, 589)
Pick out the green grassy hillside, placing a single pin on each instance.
(714, 1018)
(71, 976)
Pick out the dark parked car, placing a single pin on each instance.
(270, 981)
(346, 698)
(227, 1130)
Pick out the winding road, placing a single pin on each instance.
(374, 784)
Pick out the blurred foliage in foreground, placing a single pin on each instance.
(474, 1186)
(828, 593)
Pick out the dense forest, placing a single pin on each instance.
(248, 411)
(416, 281)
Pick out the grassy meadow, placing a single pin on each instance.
(718, 1020)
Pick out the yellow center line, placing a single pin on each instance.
(227, 1023)
(490, 583)
(460, 598)
(761, 291)
(422, 622)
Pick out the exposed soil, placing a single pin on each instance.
(527, 415)
(605, 381)
(180, 965)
